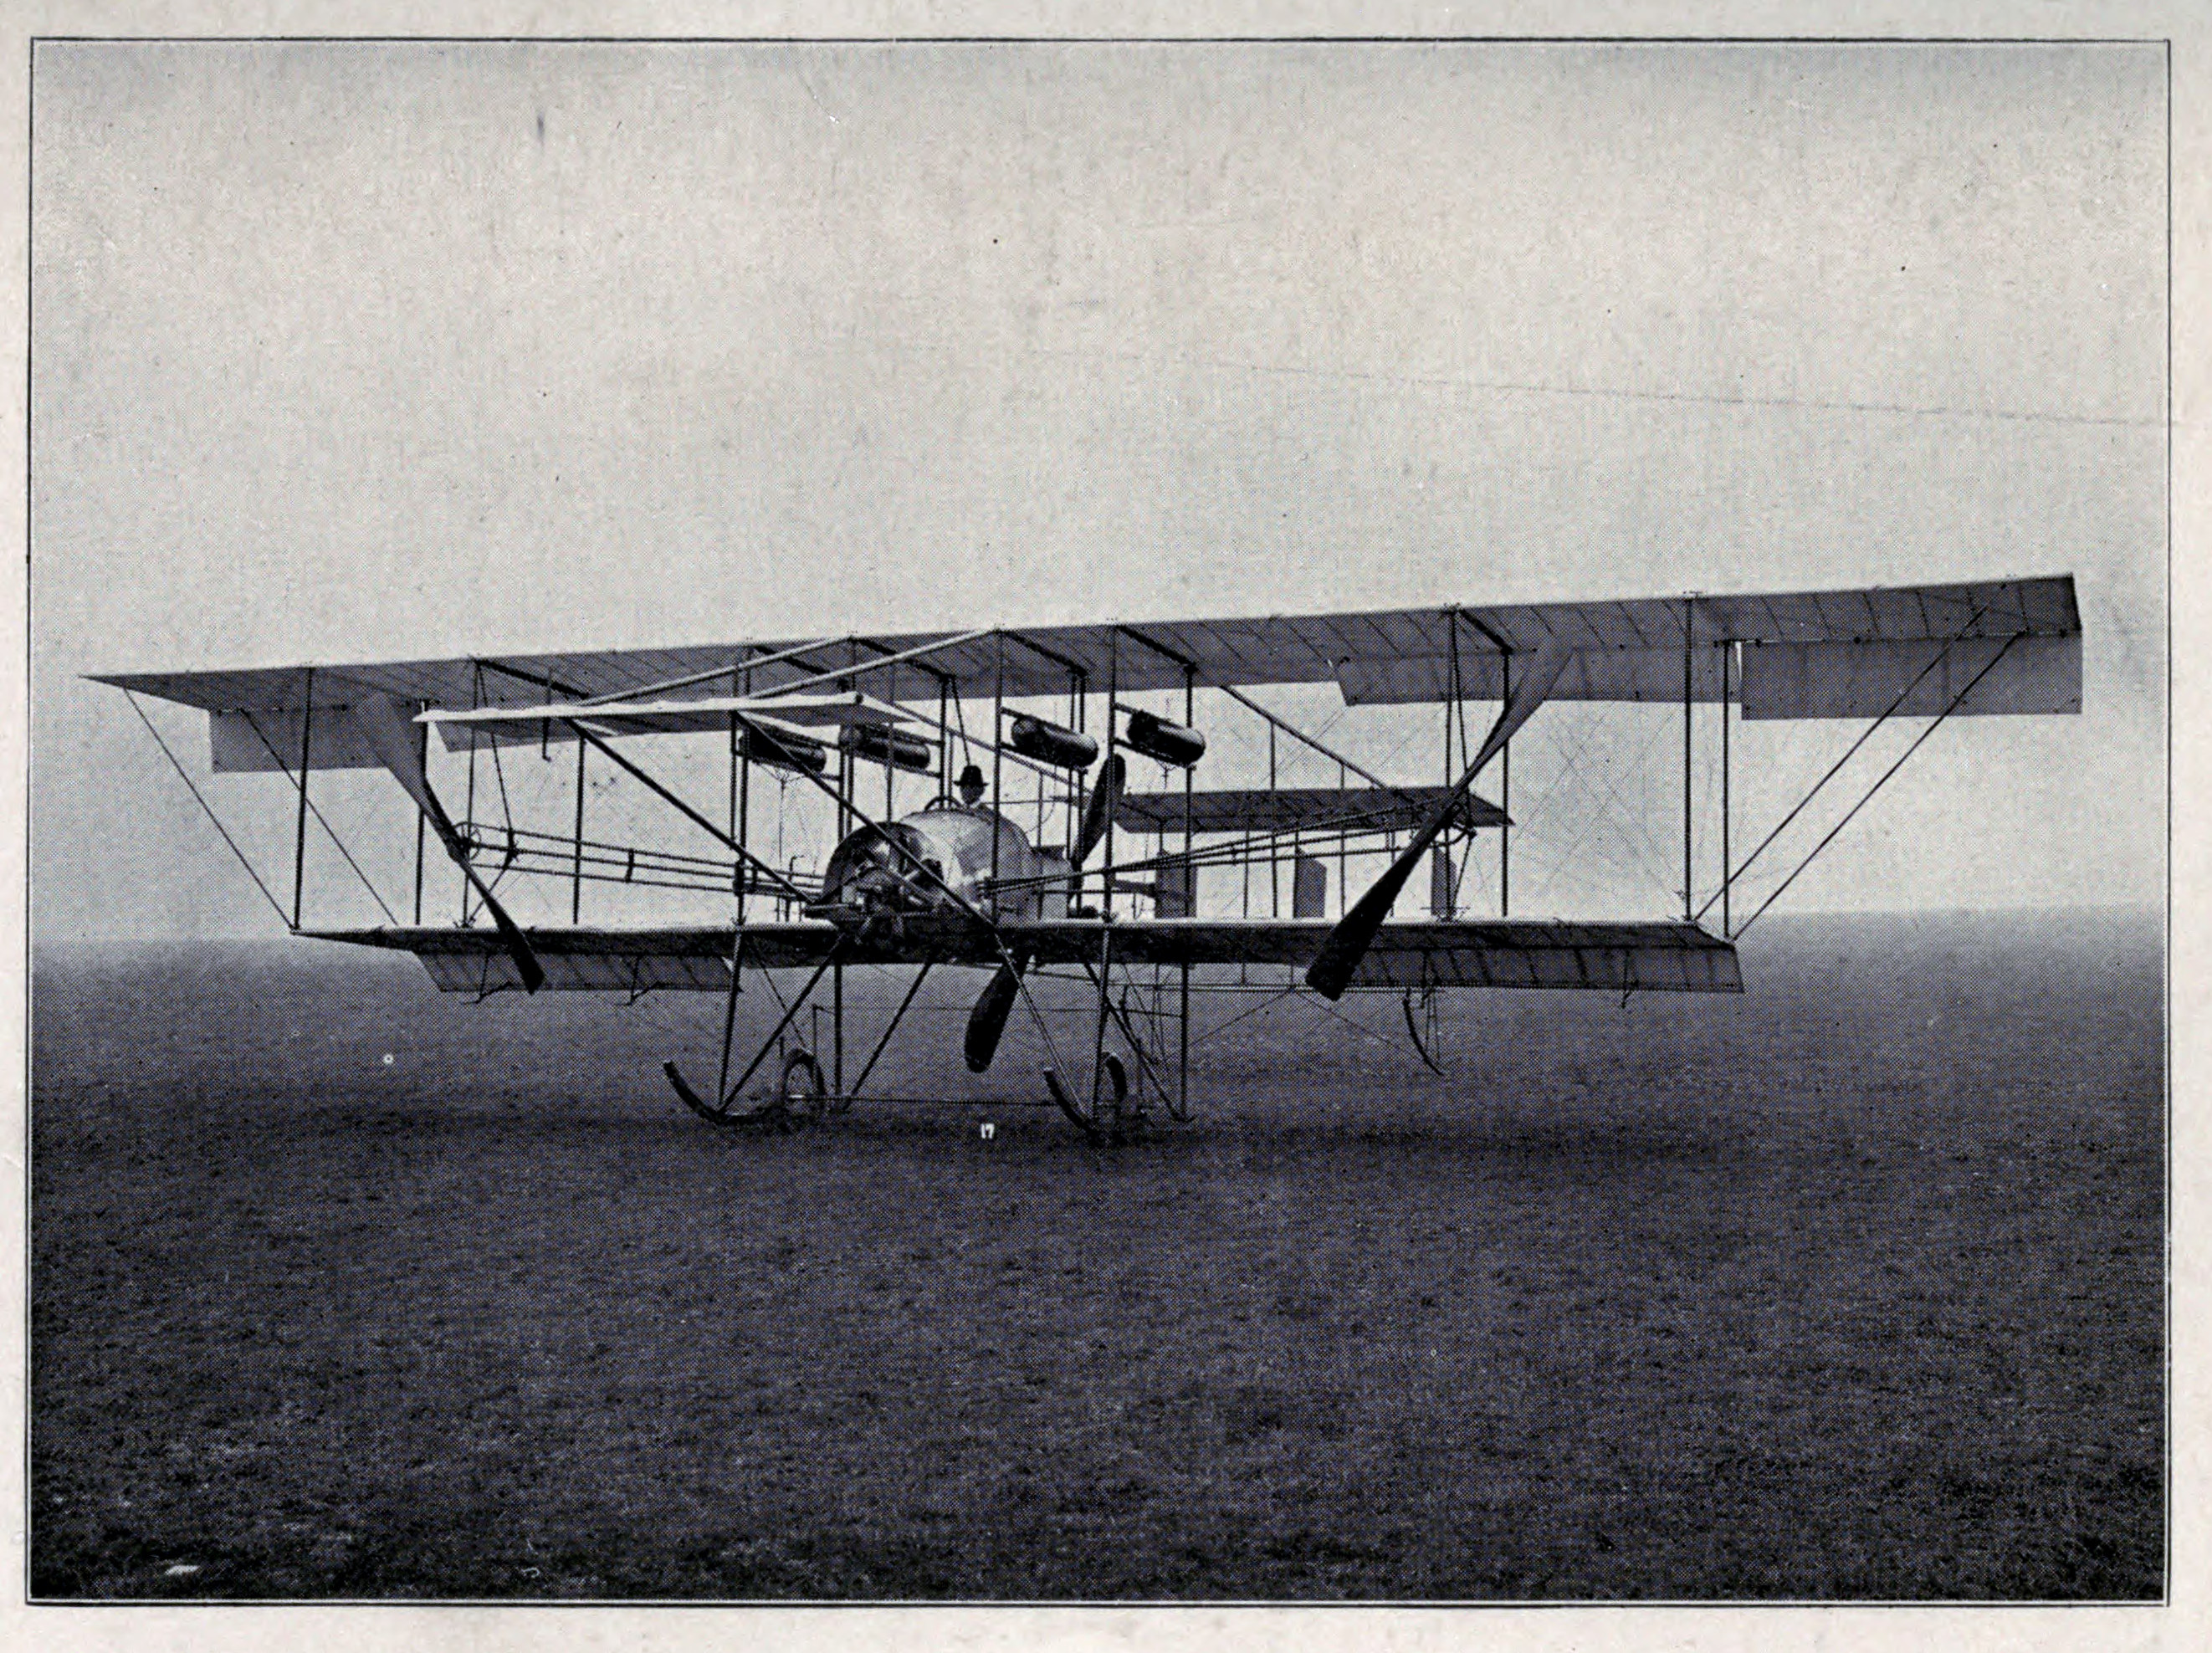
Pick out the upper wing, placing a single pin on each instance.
(1652, 957)
(1806, 654)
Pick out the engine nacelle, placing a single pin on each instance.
(947, 845)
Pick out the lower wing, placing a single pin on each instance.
(1618, 958)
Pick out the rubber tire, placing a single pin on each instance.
(1117, 1080)
(810, 1100)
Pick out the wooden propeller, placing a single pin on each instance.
(390, 736)
(987, 1021)
(1347, 944)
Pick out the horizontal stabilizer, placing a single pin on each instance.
(1306, 809)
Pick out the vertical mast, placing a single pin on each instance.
(300, 827)
(1688, 868)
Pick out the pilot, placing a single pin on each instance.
(971, 786)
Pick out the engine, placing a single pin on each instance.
(906, 866)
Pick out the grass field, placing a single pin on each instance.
(1850, 1288)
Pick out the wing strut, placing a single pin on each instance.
(1347, 944)
(388, 734)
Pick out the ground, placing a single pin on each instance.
(1848, 1288)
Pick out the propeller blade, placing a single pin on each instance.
(1099, 814)
(388, 732)
(988, 1021)
(1347, 944)
(518, 944)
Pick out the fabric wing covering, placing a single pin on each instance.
(1650, 957)
(1303, 809)
(1804, 655)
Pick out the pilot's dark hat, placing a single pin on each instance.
(970, 776)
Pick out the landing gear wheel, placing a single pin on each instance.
(801, 1095)
(1124, 1123)
(1117, 1081)
(1110, 1119)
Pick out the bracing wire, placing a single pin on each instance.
(1633, 859)
(1643, 851)
(213, 820)
(1322, 1005)
(329, 832)
(1254, 1010)
(1878, 785)
(1904, 694)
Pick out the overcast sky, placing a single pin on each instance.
(344, 353)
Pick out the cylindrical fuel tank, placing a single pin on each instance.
(1047, 743)
(879, 745)
(1170, 743)
(784, 751)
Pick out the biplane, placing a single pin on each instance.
(1033, 857)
